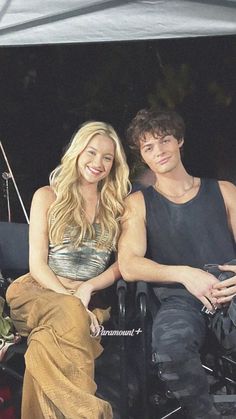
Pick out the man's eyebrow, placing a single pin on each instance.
(145, 143)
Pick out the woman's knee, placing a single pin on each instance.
(62, 312)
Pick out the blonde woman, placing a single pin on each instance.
(74, 227)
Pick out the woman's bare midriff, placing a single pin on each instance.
(69, 284)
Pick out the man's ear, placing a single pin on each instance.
(181, 142)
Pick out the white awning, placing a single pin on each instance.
(27, 22)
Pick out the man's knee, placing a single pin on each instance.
(175, 345)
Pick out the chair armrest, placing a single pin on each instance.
(142, 296)
(142, 288)
(121, 289)
(121, 285)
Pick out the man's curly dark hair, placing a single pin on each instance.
(157, 123)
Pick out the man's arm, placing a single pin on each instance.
(224, 291)
(135, 266)
(228, 191)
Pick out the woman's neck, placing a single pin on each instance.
(91, 199)
(88, 191)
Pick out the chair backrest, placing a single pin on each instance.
(14, 247)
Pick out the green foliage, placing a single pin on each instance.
(173, 87)
(219, 94)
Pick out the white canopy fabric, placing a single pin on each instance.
(27, 22)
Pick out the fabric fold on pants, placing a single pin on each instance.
(59, 377)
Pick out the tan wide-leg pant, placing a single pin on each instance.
(59, 376)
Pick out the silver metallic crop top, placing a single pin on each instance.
(82, 263)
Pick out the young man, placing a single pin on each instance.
(170, 231)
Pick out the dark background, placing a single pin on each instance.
(46, 92)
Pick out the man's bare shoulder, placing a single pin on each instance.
(135, 198)
(225, 184)
(135, 206)
(227, 187)
(228, 190)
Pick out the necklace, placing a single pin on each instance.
(176, 196)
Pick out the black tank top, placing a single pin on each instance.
(193, 233)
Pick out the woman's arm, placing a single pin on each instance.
(38, 241)
(104, 280)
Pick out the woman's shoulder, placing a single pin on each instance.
(44, 195)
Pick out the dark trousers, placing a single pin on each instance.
(179, 332)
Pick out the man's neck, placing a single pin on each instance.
(175, 180)
(176, 184)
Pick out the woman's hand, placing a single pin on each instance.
(225, 290)
(94, 325)
(84, 292)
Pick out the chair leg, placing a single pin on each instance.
(144, 355)
(9, 371)
(229, 368)
(124, 405)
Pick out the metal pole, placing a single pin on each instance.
(14, 182)
(6, 176)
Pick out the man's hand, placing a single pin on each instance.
(200, 284)
(225, 290)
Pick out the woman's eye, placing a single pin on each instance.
(91, 152)
(108, 159)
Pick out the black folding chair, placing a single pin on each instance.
(14, 248)
(14, 256)
(162, 403)
(121, 294)
(133, 373)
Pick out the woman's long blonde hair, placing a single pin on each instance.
(67, 213)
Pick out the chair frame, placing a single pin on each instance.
(121, 294)
(224, 363)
